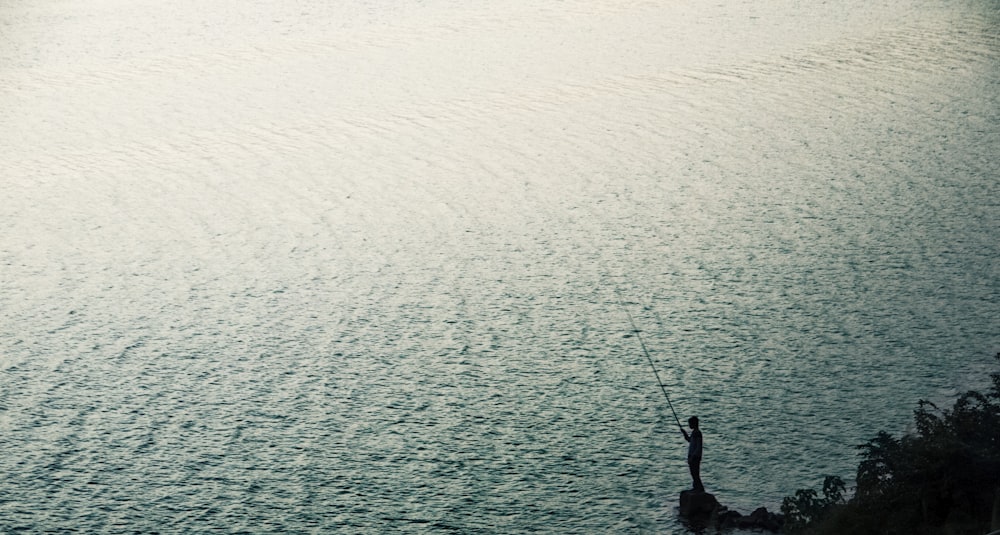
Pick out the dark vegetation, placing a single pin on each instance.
(943, 479)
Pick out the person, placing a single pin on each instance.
(694, 452)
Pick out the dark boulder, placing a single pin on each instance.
(703, 510)
(697, 504)
(761, 519)
(728, 519)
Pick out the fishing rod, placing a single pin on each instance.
(650, 359)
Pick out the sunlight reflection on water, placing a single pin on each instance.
(298, 268)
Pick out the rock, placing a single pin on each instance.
(761, 519)
(695, 503)
(701, 510)
(728, 519)
(759, 515)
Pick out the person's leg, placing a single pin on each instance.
(695, 464)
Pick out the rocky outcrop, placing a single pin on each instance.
(695, 504)
(703, 510)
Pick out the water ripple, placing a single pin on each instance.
(356, 268)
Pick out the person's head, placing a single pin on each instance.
(693, 422)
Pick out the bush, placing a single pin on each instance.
(807, 508)
(945, 478)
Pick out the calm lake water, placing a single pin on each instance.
(355, 266)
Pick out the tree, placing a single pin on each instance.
(945, 477)
(807, 508)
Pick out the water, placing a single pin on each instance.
(355, 267)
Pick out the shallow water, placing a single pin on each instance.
(310, 267)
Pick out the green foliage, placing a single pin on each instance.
(943, 478)
(807, 507)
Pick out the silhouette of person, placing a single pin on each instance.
(694, 452)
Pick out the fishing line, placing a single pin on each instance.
(650, 359)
